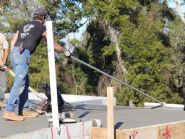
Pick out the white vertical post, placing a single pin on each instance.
(52, 73)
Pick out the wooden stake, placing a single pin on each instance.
(110, 113)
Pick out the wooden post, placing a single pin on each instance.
(110, 112)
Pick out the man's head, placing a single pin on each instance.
(40, 14)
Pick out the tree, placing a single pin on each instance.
(176, 57)
(124, 38)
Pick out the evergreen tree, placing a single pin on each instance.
(125, 38)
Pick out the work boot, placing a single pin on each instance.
(12, 116)
(28, 114)
(2, 104)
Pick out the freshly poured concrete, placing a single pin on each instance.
(125, 118)
(8, 128)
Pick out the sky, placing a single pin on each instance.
(80, 31)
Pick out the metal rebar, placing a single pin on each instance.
(104, 73)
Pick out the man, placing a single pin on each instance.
(25, 41)
(3, 57)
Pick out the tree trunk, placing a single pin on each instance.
(179, 11)
(114, 36)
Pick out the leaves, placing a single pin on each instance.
(154, 60)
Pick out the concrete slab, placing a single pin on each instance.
(125, 118)
(8, 128)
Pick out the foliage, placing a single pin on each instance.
(154, 60)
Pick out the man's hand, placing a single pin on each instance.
(67, 53)
(1, 63)
(63, 45)
(3, 68)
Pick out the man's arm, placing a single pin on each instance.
(57, 46)
(5, 56)
(14, 39)
(5, 51)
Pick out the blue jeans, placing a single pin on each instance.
(20, 86)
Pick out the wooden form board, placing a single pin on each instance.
(162, 131)
(110, 112)
(175, 131)
(101, 133)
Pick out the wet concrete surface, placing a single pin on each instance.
(125, 118)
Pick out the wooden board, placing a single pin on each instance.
(163, 131)
(101, 133)
(172, 131)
